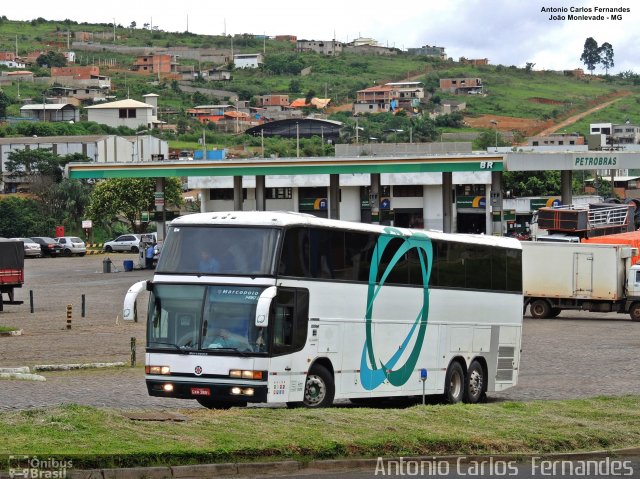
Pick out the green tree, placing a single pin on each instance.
(606, 56)
(128, 198)
(23, 217)
(489, 139)
(30, 164)
(284, 64)
(531, 183)
(51, 59)
(5, 101)
(591, 54)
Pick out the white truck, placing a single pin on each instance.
(582, 276)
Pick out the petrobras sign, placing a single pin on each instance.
(595, 161)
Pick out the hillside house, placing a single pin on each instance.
(80, 77)
(389, 97)
(207, 113)
(50, 112)
(474, 61)
(428, 51)
(248, 60)
(156, 63)
(323, 47)
(286, 38)
(370, 50)
(13, 63)
(470, 86)
(556, 140)
(130, 113)
(78, 96)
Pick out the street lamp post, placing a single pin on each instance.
(494, 122)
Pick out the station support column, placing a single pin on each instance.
(237, 193)
(260, 193)
(566, 186)
(447, 201)
(496, 203)
(159, 204)
(334, 196)
(374, 198)
(488, 221)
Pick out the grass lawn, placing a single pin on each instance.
(104, 437)
(6, 329)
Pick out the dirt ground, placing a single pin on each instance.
(531, 127)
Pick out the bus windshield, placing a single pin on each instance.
(205, 318)
(218, 250)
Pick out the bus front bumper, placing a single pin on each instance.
(241, 393)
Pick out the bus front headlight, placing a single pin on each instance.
(157, 370)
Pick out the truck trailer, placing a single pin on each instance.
(11, 270)
(580, 276)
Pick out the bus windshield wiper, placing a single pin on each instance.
(235, 350)
(179, 348)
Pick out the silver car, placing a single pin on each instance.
(31, 248)
(72, 245)
(128, 242)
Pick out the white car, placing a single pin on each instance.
(31, 248)
(129, 242)
(72, 245)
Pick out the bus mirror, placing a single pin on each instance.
(129, 309)
(263, 306)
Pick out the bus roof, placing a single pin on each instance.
(286, 218)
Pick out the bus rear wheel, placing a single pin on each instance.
(319, 389)
(454, 384)
(476, 384)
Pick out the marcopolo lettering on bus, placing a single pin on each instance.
(596, 161)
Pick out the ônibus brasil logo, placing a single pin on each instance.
(374, 371)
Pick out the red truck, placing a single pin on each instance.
(11, 269)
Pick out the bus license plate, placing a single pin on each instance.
(200, 392)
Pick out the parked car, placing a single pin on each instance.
(128, 242)
(31, 248)
(48, 246)
(72, 245)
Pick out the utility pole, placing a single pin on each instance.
(114, 30)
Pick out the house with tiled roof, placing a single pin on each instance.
(389, 97)
(130, 113)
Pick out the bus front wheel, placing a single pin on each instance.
(634, 312)
(319, 388)
(454, 384)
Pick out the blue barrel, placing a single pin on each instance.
(128, 265)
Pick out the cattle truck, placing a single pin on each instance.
(580, 276)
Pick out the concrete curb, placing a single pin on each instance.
(17, 332)
(20, 370)
(70, 367)
(198, 471)
(22, 376)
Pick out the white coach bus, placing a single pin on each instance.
(285, 307)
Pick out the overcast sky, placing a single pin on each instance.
(508, 32)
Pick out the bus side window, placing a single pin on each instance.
(291, 318)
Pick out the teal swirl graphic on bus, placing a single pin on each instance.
(374, 371)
